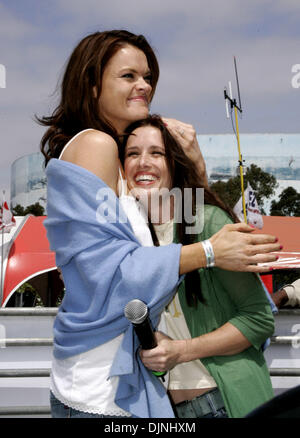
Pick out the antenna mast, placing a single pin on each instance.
(236, 107)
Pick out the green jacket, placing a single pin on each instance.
(238, 298)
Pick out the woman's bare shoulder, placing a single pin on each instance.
(91, 139)
(97, 152)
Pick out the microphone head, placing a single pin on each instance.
(136, 311)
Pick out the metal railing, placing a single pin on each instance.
(26, 342)
(45, 372)
(25, 410)
(284, 372)
(288, 340)
(28, 311)
(41, 342)
(22, 372)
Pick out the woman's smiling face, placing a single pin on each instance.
(126, 88)
(145, 160)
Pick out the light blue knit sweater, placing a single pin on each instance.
(104, 266)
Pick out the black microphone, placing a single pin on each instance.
(137, 313)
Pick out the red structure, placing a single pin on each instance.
(29, 255)
(287, 230)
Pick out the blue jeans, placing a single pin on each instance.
(59, 410)
(221, 413)
(207, 405)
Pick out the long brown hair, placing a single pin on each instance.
(78, 108)
(184, 174)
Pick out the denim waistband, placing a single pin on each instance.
(208, 403)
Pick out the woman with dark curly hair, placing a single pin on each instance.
(219, 320)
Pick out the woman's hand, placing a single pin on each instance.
(165, 356)
(186, 136)
(236, 249)
(225, 340)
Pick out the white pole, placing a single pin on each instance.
(2, 251)
(230, 90)
(226, 106)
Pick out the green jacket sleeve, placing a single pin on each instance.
(252, 315)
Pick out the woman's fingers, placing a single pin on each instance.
(258, 269)
(186, 136)
(184, 133)
(164, 356)
(244, 232)
(263, 249)
(175, 124)
(237, 249)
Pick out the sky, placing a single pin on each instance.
(195, 42)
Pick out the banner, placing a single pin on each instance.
(254, 216)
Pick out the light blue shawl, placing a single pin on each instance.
(104, 266)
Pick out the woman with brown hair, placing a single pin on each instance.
(108, 83)
(219, 320)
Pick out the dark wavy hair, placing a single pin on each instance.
(78, 108)
(184, 174)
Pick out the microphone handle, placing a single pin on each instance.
(145, 334)
(146, 337)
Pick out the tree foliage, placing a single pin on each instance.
(35, 209)
(288, 203)
(263, 184)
